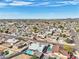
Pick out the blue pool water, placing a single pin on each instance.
(30, 52)
(49, 49)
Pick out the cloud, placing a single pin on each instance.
(74, 2)
(3, 4)
(49, 4)
(42, 4)
(56, 5)
(20, 3)
(64, 3)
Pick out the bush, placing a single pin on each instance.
(1, 31)
(69, 41)
(68, 48)
(51, 58)
(34, 57)
(35, 29)
(77, 30)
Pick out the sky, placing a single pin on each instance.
(39, 9)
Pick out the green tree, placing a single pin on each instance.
(68, 48)
(6, 31)
(77, 30)
(1, 31)
(34, 57)
(35, 29)
(51, 58)
(6, 52)
(61, 27)
(21, 38)
(64, 35)
(69, 41)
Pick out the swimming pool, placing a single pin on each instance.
(30, 52)
(49, 49)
